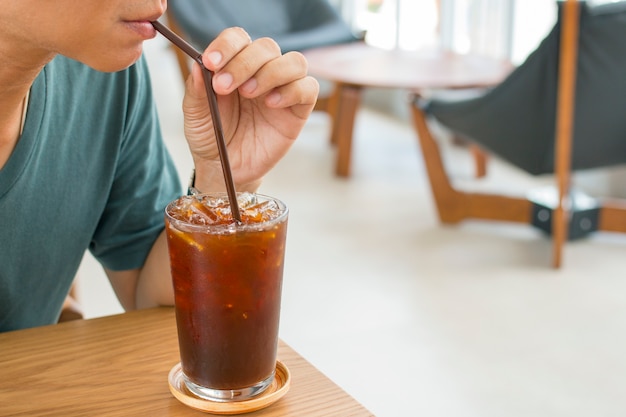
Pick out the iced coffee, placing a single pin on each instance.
(227, 280)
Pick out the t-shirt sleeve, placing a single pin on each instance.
(145, 181)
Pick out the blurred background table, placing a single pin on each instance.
(118, 366)
(352, 67)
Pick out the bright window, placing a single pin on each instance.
(504, 28)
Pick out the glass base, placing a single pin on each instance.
(228, 395)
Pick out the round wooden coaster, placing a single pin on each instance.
(277, 389)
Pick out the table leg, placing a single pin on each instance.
(343, 126)
(332, 109)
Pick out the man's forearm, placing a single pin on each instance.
(154, 285)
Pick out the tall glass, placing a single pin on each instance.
(227, 285)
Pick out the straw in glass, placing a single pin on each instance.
(215, 115)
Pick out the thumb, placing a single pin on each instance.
(195, 83)
(195, 102)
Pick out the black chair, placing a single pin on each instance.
(562, 110)
(296, 25)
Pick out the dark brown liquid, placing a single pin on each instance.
(227, 289)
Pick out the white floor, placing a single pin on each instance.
(417, 319)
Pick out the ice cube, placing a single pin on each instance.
(261, 212)
(245, 199)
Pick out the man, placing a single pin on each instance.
(82, 163)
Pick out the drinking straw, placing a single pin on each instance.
(215, 115)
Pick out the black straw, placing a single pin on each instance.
(215, 114)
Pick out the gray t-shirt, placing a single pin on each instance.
(90, 171)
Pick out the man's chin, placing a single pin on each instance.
(115, 63)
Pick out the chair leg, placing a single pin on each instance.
(480, 157)
(566, 93)
(454, 206)
(480, 161)
(613, 217)
(559, 235)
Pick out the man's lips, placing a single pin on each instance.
(143, 28)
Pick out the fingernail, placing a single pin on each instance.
(249, 86)
(223, 81)
(273, 98)
(215, 58)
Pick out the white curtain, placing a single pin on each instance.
(481, 26)
(478, 26)
(404, 24)
(350, 10)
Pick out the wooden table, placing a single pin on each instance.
(118, 366)
(357, 65)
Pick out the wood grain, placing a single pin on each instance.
(118, 366)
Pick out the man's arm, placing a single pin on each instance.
(150, 286)
(267, 98)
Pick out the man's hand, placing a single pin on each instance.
(264, 100)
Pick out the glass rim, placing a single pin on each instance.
(230, 227)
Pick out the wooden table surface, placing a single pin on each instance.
(355, 66)
(118, 366)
